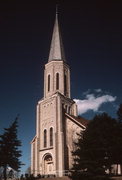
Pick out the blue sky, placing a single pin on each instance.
(92, 37)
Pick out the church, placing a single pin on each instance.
(57, 120)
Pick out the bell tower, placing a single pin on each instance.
(49, 150)
(57, 72)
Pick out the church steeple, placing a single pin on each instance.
(57, 71)
(56, 48)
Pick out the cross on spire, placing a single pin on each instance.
(56, 8)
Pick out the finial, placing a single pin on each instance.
(56, 9)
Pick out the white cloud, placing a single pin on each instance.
(92, 103)
(98, 90)
(86, 92)
(89, 91)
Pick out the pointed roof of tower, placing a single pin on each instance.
(56, 48)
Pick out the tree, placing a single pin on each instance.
(119, 113)
(96, 149)
(28, 171)
(119, 151)
(9, 152)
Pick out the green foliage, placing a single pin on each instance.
(119, 140)
(119, 113)
(29, 177)
(97, 148)
(9, 151)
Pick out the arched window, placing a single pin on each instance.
(57, 81)
(45, 138)
(51, 136)
(65, 85)
(48, 82)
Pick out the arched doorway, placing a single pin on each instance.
(48, 164)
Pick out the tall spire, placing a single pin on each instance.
(56, 48)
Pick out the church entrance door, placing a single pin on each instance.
(48, 164)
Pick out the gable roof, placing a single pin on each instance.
(81, 120)
(78, 120)
(33, 140)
